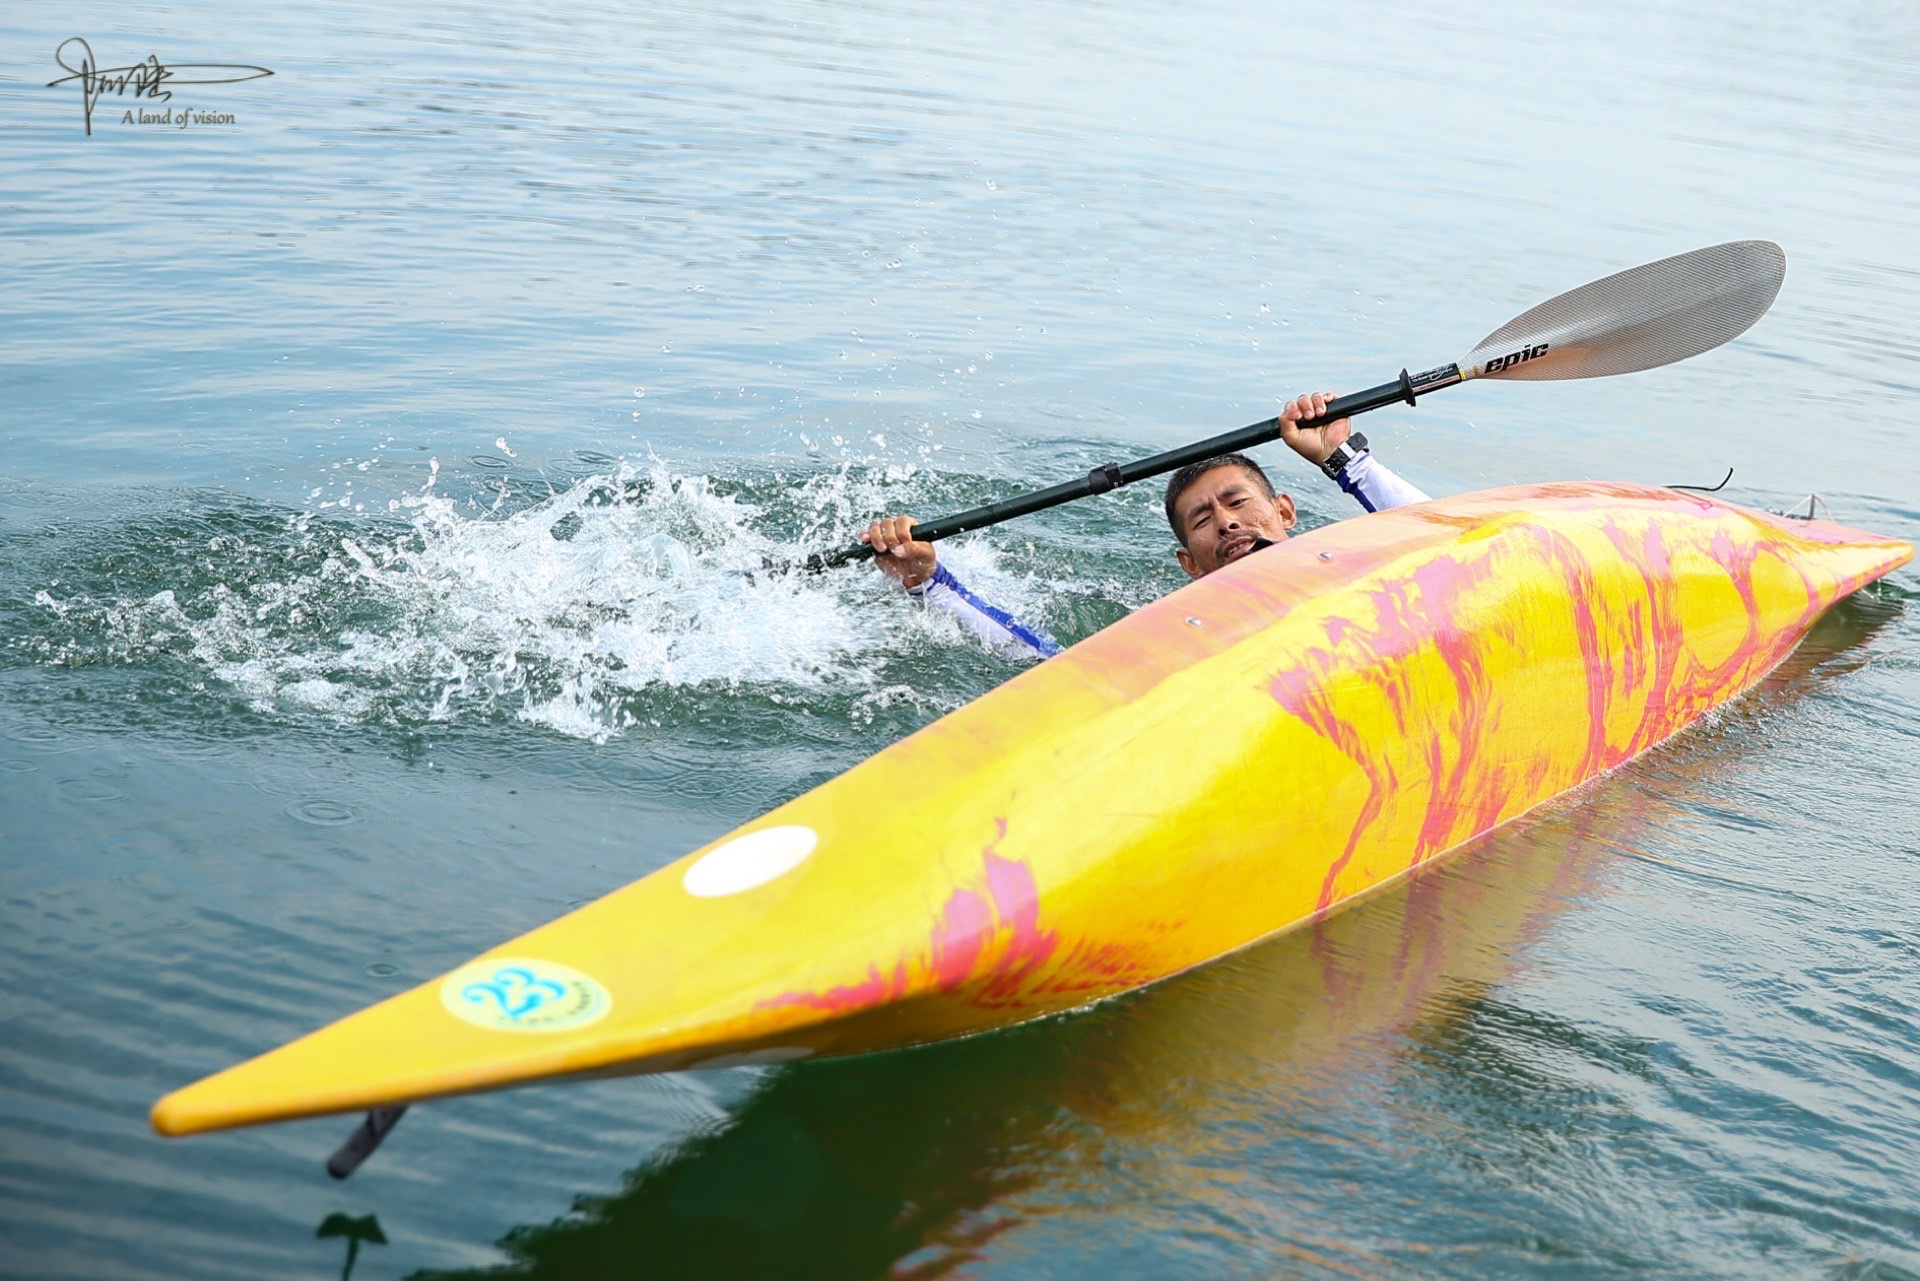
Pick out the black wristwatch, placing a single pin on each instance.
(1344, 453)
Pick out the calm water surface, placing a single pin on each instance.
(372, 468)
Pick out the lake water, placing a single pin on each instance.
(373, 465)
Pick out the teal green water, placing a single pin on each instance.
(374, 474)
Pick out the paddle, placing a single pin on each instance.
(1637, 319)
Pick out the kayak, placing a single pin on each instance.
(1303, 728)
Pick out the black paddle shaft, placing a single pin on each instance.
(1402, 390)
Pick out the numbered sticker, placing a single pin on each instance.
(514, 994)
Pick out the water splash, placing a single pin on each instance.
(590, 611)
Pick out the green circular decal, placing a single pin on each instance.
(517, 994)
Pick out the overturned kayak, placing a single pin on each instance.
(1298, 730)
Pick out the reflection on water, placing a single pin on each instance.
(364, 1230)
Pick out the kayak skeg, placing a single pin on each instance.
(1248, 754)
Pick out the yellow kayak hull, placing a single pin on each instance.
(1248, 754)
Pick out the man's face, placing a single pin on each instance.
(1222, 512)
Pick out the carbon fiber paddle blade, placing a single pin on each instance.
(1639, 319)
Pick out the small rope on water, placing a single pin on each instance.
(1708, 489)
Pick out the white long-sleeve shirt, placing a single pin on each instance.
(995, 626)
(1371, 482)
(1374, 485)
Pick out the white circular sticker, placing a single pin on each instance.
(750, 860)
(516, 994)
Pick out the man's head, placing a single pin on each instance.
(1219, 506)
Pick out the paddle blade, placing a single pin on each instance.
(1639, 319)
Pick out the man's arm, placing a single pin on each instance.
(1372, 484)
(995, 626)
(914, 565)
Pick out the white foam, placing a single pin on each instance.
(559, 613)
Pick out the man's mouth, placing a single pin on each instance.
(1235, 548)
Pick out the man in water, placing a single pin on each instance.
(1221, 509)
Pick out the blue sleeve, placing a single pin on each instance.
(995, 626)
(1375, 487)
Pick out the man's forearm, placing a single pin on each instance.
(1374, 485)
(995, 626)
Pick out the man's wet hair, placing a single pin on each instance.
(1194, 471)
